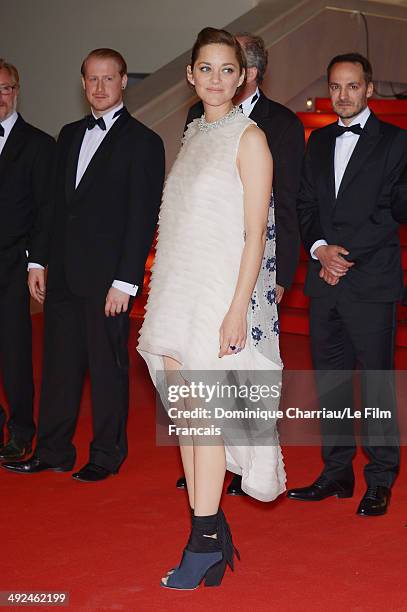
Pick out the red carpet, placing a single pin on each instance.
(108, 544)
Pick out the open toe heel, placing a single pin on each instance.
(214, 575)
(210, 548)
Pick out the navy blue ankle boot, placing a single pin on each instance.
(205, 557)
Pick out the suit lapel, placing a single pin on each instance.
(368, 140)
(260, 109)
(14, 145)
(100, 158)
(327, 167)
(72, 161)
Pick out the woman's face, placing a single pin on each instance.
(216, 74)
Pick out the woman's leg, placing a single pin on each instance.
(209, 548)
(204, 462)
(186, 446)
(187, 456)
(209, 473)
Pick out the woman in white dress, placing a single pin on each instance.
(213, 277)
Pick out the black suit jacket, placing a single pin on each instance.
(103, 229)
(399, 198)
(25, 166)
(285, 137)
(359, 218)
(399, 209)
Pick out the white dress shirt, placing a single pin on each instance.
(344, 147)
(90, 144)
(249, 103)
(8, 125)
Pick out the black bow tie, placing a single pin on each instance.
(341, 129)
(92, 121)
(1, 130)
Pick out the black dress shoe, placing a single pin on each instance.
(33, 466)
(375, 501)
(235, 487)
(323, 487)
(15, 449)
(181, 483)
(92, 473)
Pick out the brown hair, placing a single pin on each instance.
(213, 36)
(353, 58)
(12, 70)
(106, 54)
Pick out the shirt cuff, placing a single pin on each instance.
(317, 244)
(32, 265)
(125, 287)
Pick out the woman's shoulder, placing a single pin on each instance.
(251, 132)
(190, 130)
(242, 121)
(238, 126)
(246, 120)
(248, 128)
(253, 142)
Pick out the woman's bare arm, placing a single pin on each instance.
(255, 166)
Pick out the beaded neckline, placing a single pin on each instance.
(205, 126)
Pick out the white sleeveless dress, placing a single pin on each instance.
(194, 276)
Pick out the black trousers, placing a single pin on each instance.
(78, 336)
(16, 345)
(344, 335)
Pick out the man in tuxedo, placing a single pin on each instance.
(25, 160)
(285, 137)
(108, 183)
(354, 281)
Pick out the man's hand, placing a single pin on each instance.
(330, 257)
(36, 284)
(279, 293)
(116, 302)
(327, 277)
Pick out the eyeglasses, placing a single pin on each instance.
(6, 90)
